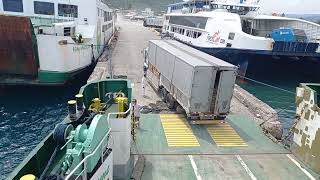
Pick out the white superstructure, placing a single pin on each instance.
(231, 24)
(213, 30)
(70, 34)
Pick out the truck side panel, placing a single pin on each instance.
(183, 76)
(152, 53)
(182, 83)
(165, 64)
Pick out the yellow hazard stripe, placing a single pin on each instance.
(177, 131)
(224, 135)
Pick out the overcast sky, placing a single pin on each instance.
(291, 6)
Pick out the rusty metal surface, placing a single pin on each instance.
(17, 56)
(306, 137)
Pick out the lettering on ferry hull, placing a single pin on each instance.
(215, 38)
(80, 48)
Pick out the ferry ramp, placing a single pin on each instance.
(256, 157)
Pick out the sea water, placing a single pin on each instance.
(27, 115)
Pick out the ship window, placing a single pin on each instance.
(104, 2)
(105, 16)
(195, 34)
(45, 8)
(231, 36)
(196, 22)
(13, 5)
(68, 10)
(189, 33)
(68, 31)
(198, 34)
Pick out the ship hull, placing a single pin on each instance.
(46, 78)
(261, 64)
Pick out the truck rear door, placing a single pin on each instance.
(224, 92)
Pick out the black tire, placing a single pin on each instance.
(221, 117)
(170, 102)
(179, 109)
(160, 89)
(164, 94)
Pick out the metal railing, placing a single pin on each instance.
(119, 113)
(83, 173)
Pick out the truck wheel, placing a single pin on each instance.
(179, 109)
(160, 89)
(164, 94)
(220, 117)
(170, 102)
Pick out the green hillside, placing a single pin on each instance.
(155, 5)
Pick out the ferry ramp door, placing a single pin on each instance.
(18, 47)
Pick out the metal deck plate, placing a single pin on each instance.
(177, 131)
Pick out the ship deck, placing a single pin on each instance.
(216, 156)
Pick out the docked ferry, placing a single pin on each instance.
(235, 31)
(51, 42)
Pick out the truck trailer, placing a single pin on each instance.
(156, 22)
(201, 84)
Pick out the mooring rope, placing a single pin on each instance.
(268, 85)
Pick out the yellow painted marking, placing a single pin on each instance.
(224, 135)
(177, 131)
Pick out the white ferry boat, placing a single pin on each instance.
(234, 31)
(50, 42)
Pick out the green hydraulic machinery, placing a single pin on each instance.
(89, 142)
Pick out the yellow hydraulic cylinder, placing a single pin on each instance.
(121, 101)
(96, 105)
(28, 177)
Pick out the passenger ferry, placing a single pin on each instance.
(234, 31)
(50, 42)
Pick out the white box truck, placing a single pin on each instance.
(156, 22)
(201, 84)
